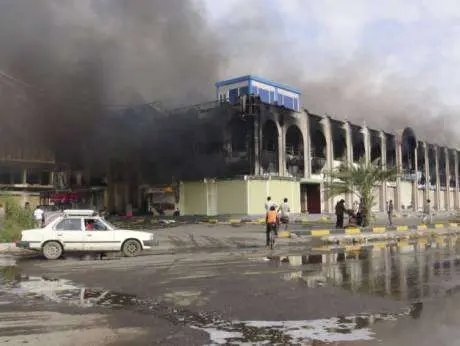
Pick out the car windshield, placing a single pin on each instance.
(109, 224)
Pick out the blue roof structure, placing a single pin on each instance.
(257, 79)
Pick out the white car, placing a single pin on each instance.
(84, 231)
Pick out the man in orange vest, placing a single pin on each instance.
(272, 221)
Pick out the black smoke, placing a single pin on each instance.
(65, 64)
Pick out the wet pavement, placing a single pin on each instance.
(404, 292)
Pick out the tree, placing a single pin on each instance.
(358, 179)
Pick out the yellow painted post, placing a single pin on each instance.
(379, 230)
(352, 231)
(320, 232)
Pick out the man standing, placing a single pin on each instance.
(38, 216)
(269, 204)
(284, 211)
(427, 213)
(340, 212)
(390, 208)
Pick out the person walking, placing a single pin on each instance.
(390, 209)
(38, 216)
(284, 213)
(340, 212)
(427, 213)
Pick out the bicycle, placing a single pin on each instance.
(272, 236)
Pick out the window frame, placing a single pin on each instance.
(56, 227)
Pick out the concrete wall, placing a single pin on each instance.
(193, 199)
(406, 193)
(258, 190)
(22, 198)
(237, 197)
(442, 200)
(232, 197)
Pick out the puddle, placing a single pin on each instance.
(342, 329)
(407, 270)
(220, 331)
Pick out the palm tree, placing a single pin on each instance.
(358, 179)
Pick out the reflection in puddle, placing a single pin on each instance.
(407, 270)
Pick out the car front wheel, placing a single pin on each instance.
(52, 250)
(131, 248)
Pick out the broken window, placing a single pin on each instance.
(391, 150)
(269, 155)
(358, 143)
(339, 141)
(432, 164)
(295, 151)
(318, 144)
(421, 163)
(376, 147)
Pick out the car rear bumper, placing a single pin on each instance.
(23, 244)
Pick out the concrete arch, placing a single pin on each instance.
(237, 131)
(432, 163)
(421, 163)
(357, 140)
(270, 147)
(317, 144)
(376, 146)
(295, 144)
(451, 156)
(442, 166)
(339, 140)
(408, 147)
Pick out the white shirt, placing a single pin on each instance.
(268, 205)
(38, 214)
(284, 208)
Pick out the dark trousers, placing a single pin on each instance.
(270, 226)
(339, 223)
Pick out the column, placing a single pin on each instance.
(456, 180)
(348, 155)
(367, 144)
(427, 192)
(415, 182)
(24, 176)
(447, 168)
(257, 144)
(437, 197)
(281, 149)
(397, 202)
(51, 180)
(307, 148)
(383, 159)
(328, 203)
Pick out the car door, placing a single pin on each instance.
(100, 237)
(69, 232)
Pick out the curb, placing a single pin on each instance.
(373, 230)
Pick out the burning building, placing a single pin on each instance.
(283, 150)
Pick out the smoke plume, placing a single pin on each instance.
(66, 61)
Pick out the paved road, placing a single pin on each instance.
(365, 297)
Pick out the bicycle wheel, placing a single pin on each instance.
(272, 239)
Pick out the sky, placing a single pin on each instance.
(387, 64)
(414, 39)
